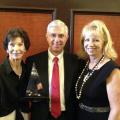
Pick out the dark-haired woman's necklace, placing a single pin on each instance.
(86, 77)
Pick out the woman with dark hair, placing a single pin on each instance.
(12, 76)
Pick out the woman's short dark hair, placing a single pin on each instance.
(16, 32)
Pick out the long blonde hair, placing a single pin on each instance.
(100, 27)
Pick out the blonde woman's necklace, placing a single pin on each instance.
(86, 77)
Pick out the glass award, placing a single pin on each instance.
(34, 79)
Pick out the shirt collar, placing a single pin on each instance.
(51, 56)
(8, 66)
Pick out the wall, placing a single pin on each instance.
(70, 11)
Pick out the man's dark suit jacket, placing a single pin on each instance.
(40, 108)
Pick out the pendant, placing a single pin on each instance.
(86, 77)
(78, 97)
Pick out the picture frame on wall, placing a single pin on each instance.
(33, 20)
(79, 18)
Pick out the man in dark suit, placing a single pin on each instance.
(41, 109)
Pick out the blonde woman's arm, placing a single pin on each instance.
(113, 91)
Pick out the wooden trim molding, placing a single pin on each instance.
(79, 18)
(33, 20)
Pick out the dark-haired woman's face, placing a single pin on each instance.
(16, 49)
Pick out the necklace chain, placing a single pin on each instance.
(86, 77)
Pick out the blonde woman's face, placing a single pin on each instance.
(93, 43)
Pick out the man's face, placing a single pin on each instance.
(56, 38)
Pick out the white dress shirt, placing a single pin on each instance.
(61, 75)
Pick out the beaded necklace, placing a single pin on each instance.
(86, 77)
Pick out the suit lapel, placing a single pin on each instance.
(42, 68)
(67, 75)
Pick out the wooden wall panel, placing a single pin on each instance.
(112, 22)
(34, 23)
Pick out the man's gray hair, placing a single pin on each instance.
(57, 23)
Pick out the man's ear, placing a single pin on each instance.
(46, 35)
(67, 36)
(7, 51)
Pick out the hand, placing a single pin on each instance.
(26, 116)
(39, 86)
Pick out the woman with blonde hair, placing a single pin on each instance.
(97, 87)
